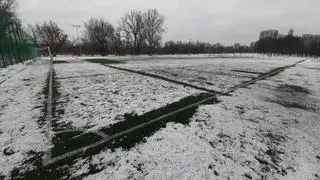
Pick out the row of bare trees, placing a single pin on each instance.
(49, 34)
(137, 32)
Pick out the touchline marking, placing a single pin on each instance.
(84, 131)
(47, 155)
(84, 149)
(98, 133)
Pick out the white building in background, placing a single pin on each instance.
(309, 38)
(269, 34)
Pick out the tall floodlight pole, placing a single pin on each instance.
(78, 37)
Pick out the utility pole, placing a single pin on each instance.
(78, 37)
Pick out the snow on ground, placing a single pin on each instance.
(6, 73)
(249, 135)
(269, 130)
(192, 56)
(219, 74)
(20, 109)
(95, 96)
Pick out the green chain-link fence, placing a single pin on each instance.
(16, 46)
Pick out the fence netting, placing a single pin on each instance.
(16, 45)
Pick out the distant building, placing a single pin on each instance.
(269, 34)
(237, 45)
(309, 38)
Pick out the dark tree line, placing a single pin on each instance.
(179, 47)
(288, 45)
(170, 47)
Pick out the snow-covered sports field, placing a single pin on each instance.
(161, 117)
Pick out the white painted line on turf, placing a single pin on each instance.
(98, 133)
(84, 131)
(84, 149)
(47, 155)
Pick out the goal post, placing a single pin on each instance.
(45, 54)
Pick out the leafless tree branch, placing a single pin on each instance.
(50, 34)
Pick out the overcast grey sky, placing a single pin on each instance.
(224, 21)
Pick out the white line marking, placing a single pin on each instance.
(84, 131)
(47, 155)
(98, 133)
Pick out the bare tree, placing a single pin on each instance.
(99, 33)
(6, 7)
(49, 34)
(154, 24)
(7, 14)
(118, 43)
(31, 30)
(133, 26)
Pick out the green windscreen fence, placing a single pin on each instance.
(16, 45)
